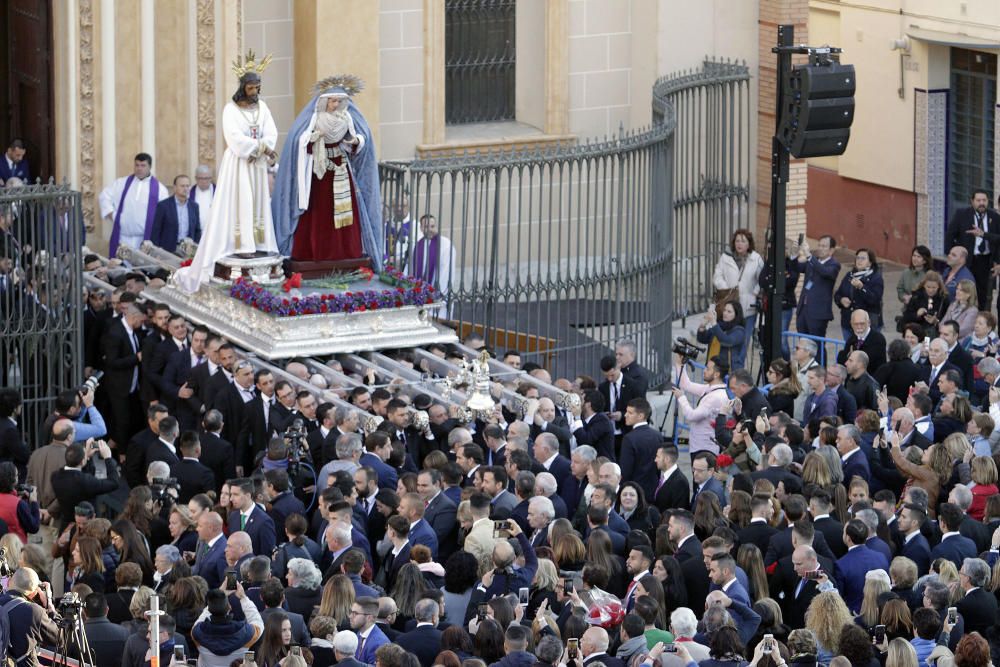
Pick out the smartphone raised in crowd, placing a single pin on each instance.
(572, 648)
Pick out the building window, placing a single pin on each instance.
(971, 129)
(479, 61)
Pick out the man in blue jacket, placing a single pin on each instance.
(816, 299)
(851, 569)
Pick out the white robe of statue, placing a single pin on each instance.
(242, 197)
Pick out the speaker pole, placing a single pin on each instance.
(779, 183)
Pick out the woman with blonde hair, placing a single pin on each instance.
(33, 556)
(903, 575)
(543, 587)
(947, 574)
(338, 596)
(983, 486)
(876, 583)
(931, 475)
(964, 308)
(182, 529)
(751, 560)
(901, 654)
(833, 461)
(826, 617)
(569, 552)
(816, 471)
(11, 545)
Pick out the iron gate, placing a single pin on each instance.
(41, 296)
(559, 252)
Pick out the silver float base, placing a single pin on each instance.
(274, 337)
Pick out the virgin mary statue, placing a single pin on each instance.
(326, 203)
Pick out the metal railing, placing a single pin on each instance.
(712, 170)
(561, 251)
(41, 304)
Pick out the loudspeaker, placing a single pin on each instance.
(817, 109)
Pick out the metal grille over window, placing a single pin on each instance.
(479, 61)
(971, 131)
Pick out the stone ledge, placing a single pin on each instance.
(485, 145)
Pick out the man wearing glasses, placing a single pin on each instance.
(363, 613)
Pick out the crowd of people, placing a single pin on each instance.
(838, 514)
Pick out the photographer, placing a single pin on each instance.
(72, 485)
(31, 625)
(712, 398)
(505, 577)
(283, 501)
(78, 405)
(18, 508)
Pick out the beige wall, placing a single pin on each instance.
(268, 27)
(401, 77)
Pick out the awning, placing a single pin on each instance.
(952, 39)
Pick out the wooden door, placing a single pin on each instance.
(29, 91)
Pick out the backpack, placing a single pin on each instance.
(6, 652)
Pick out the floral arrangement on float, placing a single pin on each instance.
(291, 302)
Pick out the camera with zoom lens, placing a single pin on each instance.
(686, 349)
(70, 602)
(298, 448)
(160, 490)
(24, 490)
(90, 385)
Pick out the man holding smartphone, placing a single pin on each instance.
(505, 577)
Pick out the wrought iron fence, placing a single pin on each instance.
(712, 170)
(559, 252)
(480, 61)
(41, 296)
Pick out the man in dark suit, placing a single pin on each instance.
(617, 391)
(284, 503)
(262, 420)
(162, 449)
(854, 461)
(640, 448)
(176, 217)
(953, 545)
(231, 401)
(798, 591)
(671, 489)
(850, 570)
(864, 339)
(978, 606)
(397, 530)
(958, 356)
(722, 572)
(546, 451)
(625, 354)
(156, 335)
(547, 420)
(250, 518)
(217, 454)
(914, 544)
(201, 376)
(272, 594)
(176, 343)
(192, 475)
(820, 508)
(593, 426)
(106, 639)
(120, 358)
(423, 641)
(12, 444)
(703, 479)
(439, 512)
(758, 531)
(779, 457)
(210, 560)
(140, 443)
(573, 485)
(176, 391)
(680, 530)
(13, 164)
(73, 486)
(815, 309)
(977, 229)
(323, 439)
(370, 635)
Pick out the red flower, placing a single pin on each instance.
(187, 262)
(724, 460)
(296, 280)
(323, 308)
(362, 308)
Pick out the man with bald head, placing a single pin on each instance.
(49, 459)
(594, 647)
(545, 419)
(806, 564)
(957, 271)
(504, 577)
(903, 423)
(210, 561)
(859, 383)
(239, 549)
(865, 339)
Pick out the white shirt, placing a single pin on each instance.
(547, 463)
(668, 472)
(169, 445)
(211, 542)
(843, 459)
(203, 198)
(910, 536)
(681, 543)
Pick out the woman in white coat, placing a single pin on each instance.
(736, 277)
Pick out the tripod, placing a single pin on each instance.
(73, 642)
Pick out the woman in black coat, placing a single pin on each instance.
(929, 304)
(632, 507)
(899, 373)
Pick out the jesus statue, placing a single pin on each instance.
(240, 222)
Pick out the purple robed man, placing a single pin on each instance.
(130, 204)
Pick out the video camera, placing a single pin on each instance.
(70, 603)
(298, 448)
(686, 349)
